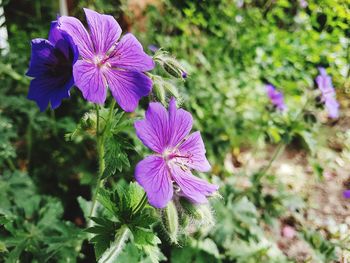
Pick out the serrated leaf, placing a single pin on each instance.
(115, 156)
(112, 253)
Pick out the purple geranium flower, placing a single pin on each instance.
(324, 83)
(176, 153)
(51, 67)
(106, 62)
(276, 97)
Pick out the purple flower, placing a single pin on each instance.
(176, 153)
(276, 97)
(324, 83)
(153, 48)
(106, 62)
(346, 194)
(51, 67)
(303, 3)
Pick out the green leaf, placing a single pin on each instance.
(115, 156)
(112, 253)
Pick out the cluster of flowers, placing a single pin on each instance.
(93, 59)
(324, 83)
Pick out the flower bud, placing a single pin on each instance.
(170, 221)
(170, 65)
(159, 89)
(200, 214)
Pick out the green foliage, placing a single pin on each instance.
(32, 225)
(124, 219)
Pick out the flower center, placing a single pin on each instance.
(100, 60)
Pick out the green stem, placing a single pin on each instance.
(277, 152)
(101, 163)
(141, 204)
(100, 140)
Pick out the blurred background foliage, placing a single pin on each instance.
(230, 50)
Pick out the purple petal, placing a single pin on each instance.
(324, 83)
(346, 194)
(78, 33)
(193, 188)
(154, 130)
(104, 31)
(129, 55)
(180, 123)
(193, 147)
(55, 34)
(153, 175)
(332, 107)
(42, 55)
(89, 79)
(127, 87)
(46, 89)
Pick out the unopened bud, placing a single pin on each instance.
(170, 64)
(159, 89)
(202, 214)
(170, 221)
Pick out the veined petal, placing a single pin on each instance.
(194, 148)
(180, 123)
(153, 175)
(78, 33)
(129, 55)
(42, 56)
(127, 87)
(192, 187)
(104, 31)
(89, 79)
(154, 130)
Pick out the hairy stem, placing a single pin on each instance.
(100, 141)
(101, 163)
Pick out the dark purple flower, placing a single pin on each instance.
(51, 67)
(276, 97)
(106, 62)
(324, 83)
(346, 194)
(176, 153)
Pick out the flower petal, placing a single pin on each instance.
(127, 87)
(42, 56)
(46, 89)
(104, 31)
(78, 33)
(153, 175)
(55, 34)
(192, 187)
(194, 148)
(129, 55)
(154, 130)
(89, 79)
(180, 123)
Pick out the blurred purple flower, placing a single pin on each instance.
(153, 48)
(106, 62)
(303, 3)
(51, 66)
(324, 83)
(176, 153)
(346, 194)
(288, 231)
(276, 97)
